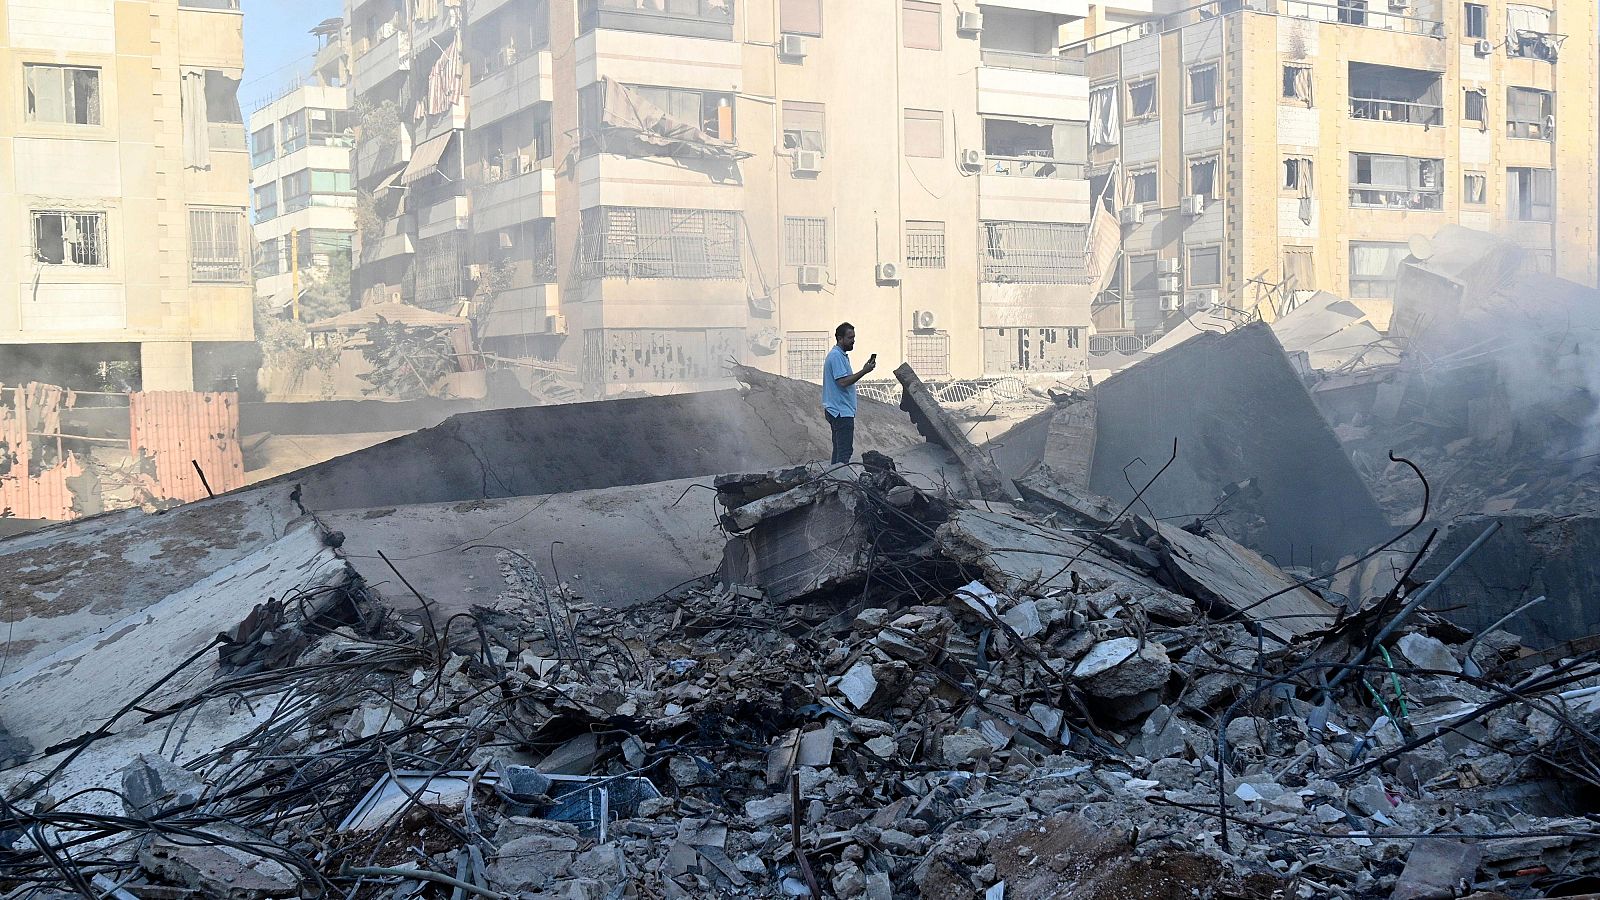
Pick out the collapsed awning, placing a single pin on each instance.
(426, 158)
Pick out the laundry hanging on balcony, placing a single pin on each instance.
(444, 80)
(630, 125)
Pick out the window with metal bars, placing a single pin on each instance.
(929, 352)
(805, 353)
(805, 241)
(925, 245)
(439, 261)
(66, 238)
(217, 245)
(647, 242)
(1034, 252)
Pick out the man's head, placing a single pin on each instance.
(845, 334)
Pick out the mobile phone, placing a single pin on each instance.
(873, 358)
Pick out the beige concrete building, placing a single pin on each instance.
(123, 178)
(645, 190)
(1266, 148)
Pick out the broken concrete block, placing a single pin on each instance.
(964, 746)
(1162, 735)
(153, 784)
(1437, 870)
(766, 811)
(1024, 619)
(938, 426)
(858, 685)
(575, 757)
(1121, 667)
(1427, 653)
(225, 873)
(1370, 798)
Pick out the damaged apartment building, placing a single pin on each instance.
(1267, 149)
(641, 191)
(122, 190)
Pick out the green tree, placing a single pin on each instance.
(328, 293)
(406, 361)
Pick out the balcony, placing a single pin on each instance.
(1033, 62)
(388, 58)
(1401, 111)
(1033, 190)
(511, 201)
(1359, 13)
(683, 18)
(607, 179)
(449, 214)
(394, 242)
(1068, 9)
(1393, 94)
(512, 89)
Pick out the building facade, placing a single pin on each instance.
(123, 178)
(646, 191)
(1264, 149)
(302, 187)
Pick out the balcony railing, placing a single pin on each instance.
(1315, 10)
(1383, 198)
(210, 4)
(1396, 111)
(1033, 167)
(684, 18)
(1033, 62)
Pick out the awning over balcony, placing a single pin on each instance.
(425, 161)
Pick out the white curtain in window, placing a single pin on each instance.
(1525, 18)
(196, 136)
(1104, 124)
(1376, 260)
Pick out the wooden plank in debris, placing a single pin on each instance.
(937, 426)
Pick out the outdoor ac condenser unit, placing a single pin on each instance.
(1201, 298)
(924, 320)
(972, 159)
(1193, 205)
(969, 22)
(1171, 303)
(1167, 265)
(555, 324)
(1483, 48)
(1132, 214)
(792, 46)
(811, 276)
(888, 273)
(807, 162)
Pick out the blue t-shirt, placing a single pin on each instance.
(836, 400)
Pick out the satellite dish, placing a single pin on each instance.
(1421, 247)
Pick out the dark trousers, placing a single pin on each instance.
(844, 437)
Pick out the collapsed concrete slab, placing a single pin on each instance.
(981, 473)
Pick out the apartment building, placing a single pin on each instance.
(647, 190)
(123, 181)
(1263, 149)
(301, 182)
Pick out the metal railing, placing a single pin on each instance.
(1034, 62)
(1033, 167)
(209, 4)
(1385, 198)
(1332, 13)
(1402, 111)
(685, 18)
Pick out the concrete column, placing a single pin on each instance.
(167, 365)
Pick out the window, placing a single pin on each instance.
(1475, 20)
(66, 238)
(1352, 12)
(68, 95)
(929, 353)
(1203, 86)
(1476, 107)
(1530, 114)
(266, 201)
(650, 242)
(920, 22)
(296, 190)
(1034, 252)
(710, 111)
(805, 352)
(1203, 178)
(292, 131)
(1142, 274)
(1142, 186)
(1205, 266)
(1530, 194)
(331, 182)
(1297, 84)
(262, 148)
(269, 260)
(924, 133)
(1396, 182)
(1299, 269)
(1037, 149)
(800, 17)
(1474, 188)
(330, 128)
(802, 126)
(805, 241)
(217, 245)
(1374, 268)
(1528, 33)
(925, 245)
(1297, 176)
(1142, 99)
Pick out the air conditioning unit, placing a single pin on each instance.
(972, 159)
(924, 320)
(811, 276)
(1202, 298)
(1399, 6)
(969, 22)
(1132, 214)
(474, 271)
(555, 324)
(1193, 205)
(1171, 303)
(807, 162)
(1168, 266)
(1169, 283)
(1483, 48)
(792, 46)
(888, 273)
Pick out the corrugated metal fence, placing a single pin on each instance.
(180, 429)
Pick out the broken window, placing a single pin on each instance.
(925, 245)
(1528, 33)
(263, 147)
(805, 352)
(1530, 194)
(920, 24)
(1203, 86)
(805, 241)
(1142, 274)
(1142, 186)
(329, 128)
(1203, 178)
(1034, 252)
(1297, 176)
(1396, 182)
(803, 126)
(1530, 114)
(267, 201)
(1037, 149)
(800, 17)
(68, 238)
(1474, 188)
(1299, 270)
(711, 111)
(651, 242)
(1205, 266)
(1476, 107)
(1475, 20)
(1352, 12)
(1141, 99)
(1374, 268)
(924, 133)
(1297, 84)
(217, 245)
(67, 95)
(929, 352)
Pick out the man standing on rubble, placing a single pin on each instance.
(839, 391)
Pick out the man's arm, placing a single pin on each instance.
(845, 381)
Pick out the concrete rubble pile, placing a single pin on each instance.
(891, 688)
